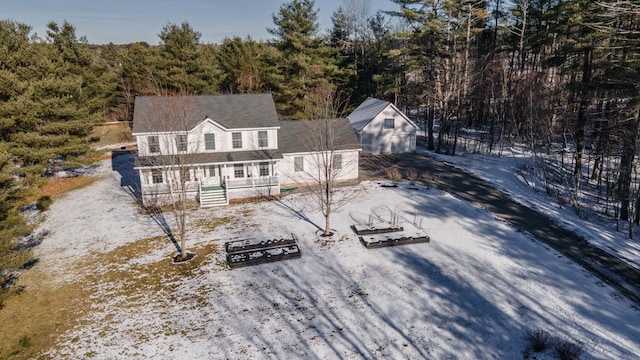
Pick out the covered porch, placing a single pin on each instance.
(212, 182)
(240, 180)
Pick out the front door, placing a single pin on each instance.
(212, 175)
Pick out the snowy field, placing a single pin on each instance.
(470, 293)
(503, 173)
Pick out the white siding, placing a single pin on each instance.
(167, 143)
(196, 142)
(376, 139)
(224, 138)
(252, 183)
(288, 175)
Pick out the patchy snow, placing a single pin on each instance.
(116, 146)
(98, 218)
(470, 293)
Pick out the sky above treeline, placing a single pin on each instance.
(123, 22)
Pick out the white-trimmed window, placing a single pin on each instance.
(337, 161)
(236, 140)
(263, 139)
(181, 142)
(238, 171)
(298, 164)
(389, 123)
(156, 176)
(209, 141)
(264, 169)
(154, 144)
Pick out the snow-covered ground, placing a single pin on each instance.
(503, 173)
(470, 293)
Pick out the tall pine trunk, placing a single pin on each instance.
(626, 167)
(581, 119)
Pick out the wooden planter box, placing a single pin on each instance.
(375, 229)
(237, 246)
(254, 257)
(372, 242)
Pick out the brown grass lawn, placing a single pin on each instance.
(31, 322)
(59, 186)
(112, 134)
(47, 307)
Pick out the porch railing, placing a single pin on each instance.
(168, 188)
(252, 182)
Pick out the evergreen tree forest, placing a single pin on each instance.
(561, 77)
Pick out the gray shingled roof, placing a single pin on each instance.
(238, 111)
(209, 158)
(297, 136)
(364, 113)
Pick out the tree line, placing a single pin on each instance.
(560, 76)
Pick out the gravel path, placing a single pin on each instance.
(605, 266)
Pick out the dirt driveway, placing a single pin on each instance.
(610, 269)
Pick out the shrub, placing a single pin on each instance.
(43, 203)
(25, 341)
(394, 174)
(538, 340)
(412, 175)
(566, 350)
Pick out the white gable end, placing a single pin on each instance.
(390, 131)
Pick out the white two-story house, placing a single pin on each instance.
(220, 146)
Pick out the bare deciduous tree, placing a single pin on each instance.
(328, 143)
(171, 151)
(328, 163)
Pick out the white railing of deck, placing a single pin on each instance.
(253, 182)
(166, 188)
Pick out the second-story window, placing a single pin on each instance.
(236, 140)
(263, 139)
(389, 123)
(154, 144)
(181, 142)
(209, 141)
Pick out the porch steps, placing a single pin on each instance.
(213, 196)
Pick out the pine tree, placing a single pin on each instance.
(245, 64)
(307, 62)
(183, 63)
(425, 54)
(618, 78)
(12, 227)
(53, 103)
(361, 42)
